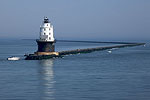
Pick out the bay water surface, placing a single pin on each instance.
(123, 74)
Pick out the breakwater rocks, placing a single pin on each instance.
(88, 50)
(76, 51)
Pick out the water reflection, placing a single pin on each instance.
(46, 79)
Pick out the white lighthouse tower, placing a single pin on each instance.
(46, 31)
(46, 39)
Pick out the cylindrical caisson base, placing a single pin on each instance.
(45, 46)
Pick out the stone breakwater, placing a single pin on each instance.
(41, 56)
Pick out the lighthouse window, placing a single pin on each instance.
(44, 33)
(49, 33)
(49, 29)
(44, 29)
(49, 37)
(47, 24)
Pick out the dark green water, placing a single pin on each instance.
(123, 74)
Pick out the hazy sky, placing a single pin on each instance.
(101, 19)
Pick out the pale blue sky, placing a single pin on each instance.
(87, 19)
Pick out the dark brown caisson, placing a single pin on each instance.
(45, 46)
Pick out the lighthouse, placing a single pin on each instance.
(46, 41)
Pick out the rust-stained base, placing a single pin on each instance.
(42, 55)
(46, 53)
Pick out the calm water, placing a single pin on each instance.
(123, 74)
